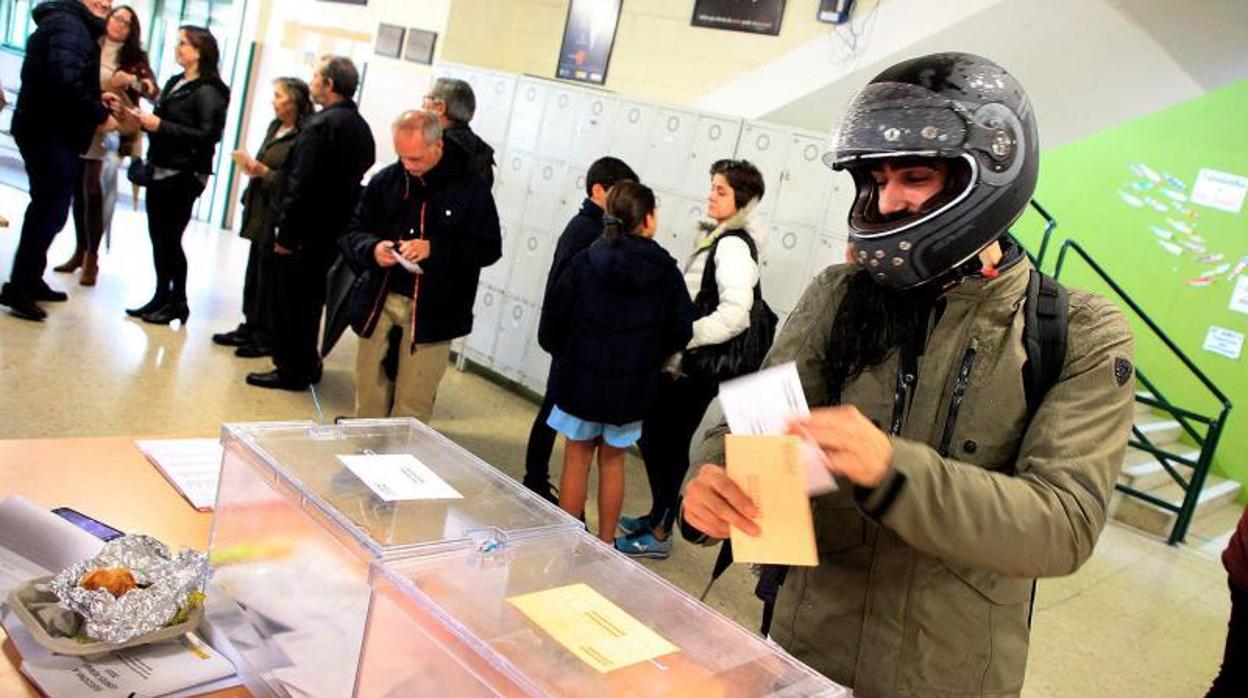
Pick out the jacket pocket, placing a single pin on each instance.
(967, 633)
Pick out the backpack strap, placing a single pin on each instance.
(1045, 320)
(708, 290)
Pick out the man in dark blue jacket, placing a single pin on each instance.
(58, 111)
(322, 184)
(580, 232)
(425, 227)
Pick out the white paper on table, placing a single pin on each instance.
(763, 403)
(1239, 297)
(41, 537)
(1224, 342)
(398, 477)
(1221, 190)
(193, 466)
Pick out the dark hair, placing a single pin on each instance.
(607, 172)
(744, 178)
(341, 71)
(206, 44)
(628, 204)
(300, 94)
(458, 97)
(131, 53)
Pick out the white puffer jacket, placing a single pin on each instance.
(736, 273)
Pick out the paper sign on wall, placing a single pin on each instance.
(398, 477)
(1220, 190)
(1239, 297)
(1224, 342)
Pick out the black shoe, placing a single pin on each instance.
(21, 305)
(276, 380)
(156, 303)
(543, 489)
(173, 310)
(252, 351)
(51, 295)
(316, 375)
(239, 337)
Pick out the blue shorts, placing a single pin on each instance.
(578, 429)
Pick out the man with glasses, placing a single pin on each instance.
(454, 103)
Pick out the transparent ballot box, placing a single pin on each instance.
(302, 510)
(558, 615)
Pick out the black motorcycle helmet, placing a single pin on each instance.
(969, 113)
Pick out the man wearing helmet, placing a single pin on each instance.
(963, 477)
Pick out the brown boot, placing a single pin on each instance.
(90, 269)
(71, 265)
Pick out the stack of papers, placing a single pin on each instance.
(193, 466)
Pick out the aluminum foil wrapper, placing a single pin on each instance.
(165, 583)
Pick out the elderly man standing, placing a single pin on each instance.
(329, 158)
(425, 227)
(59, 109)
(455, 104)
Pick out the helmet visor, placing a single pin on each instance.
(890, 118)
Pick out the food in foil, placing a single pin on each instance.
(161, 589)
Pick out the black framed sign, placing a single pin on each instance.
(348, 2)
(419, 46)
(588, 37)
(753, 16)
(389, 40)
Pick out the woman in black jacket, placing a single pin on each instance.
(184, 131)
(609, 322)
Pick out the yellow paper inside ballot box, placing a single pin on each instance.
(769, 470)
(588, 625)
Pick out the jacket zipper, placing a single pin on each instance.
(955, 402)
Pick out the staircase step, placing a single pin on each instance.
(1144, 472)
(1158, 429)
(1216, 494)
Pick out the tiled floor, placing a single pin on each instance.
(1140, 618)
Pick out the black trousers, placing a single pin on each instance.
(298, 295)
(89, 205)
(257, 289)
(170, 202)
(665, 437)
(541, 444)
(1232, 680)
(50, 168)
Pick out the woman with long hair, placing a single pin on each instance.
(125, 72)
(184, 130)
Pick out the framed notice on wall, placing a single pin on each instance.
(348, 2)
(588, 37)
(419, 46)
(754, 16)
(389, 40)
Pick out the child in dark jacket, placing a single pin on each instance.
(611, 319)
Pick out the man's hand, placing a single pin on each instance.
(415, 250)
(383, 254)
(714, 504)
(121, 80)
(855, 447)
(283, 251)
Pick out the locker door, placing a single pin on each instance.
(678, 224)
(514, 330)
(545, 194)
(714, 139)
(593, 128)
(837, 202)
(533, 253)
(526, 116)
(493, 109)
(671, 139)
(511, 186)
(630, 133)
(766, 147)
(828, 250)
(786, 260)
(479, 346)
(559, 124)
(499, 273)
(805, 182)
(536, 365)
(573, 193)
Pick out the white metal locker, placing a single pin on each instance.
(479, 345)
(493, 108)
(836, 205)
(786, 260)
(526, 115)
(536, 365)
(559, 123)
(714, 139)
(630, 133)
(593, 129)
(533, 253)
(670, 141)
(805, 182)
(514, 330)
(511, 186)
(546, 195)
(828, 250)
(766, 147)
(499, 273)
(573, 194)
(678, 224)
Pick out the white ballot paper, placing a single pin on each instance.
(398, 477)
(404, 262)
(193, 466)
(763, 403)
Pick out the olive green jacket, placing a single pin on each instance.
(261, 192)
(924, 584)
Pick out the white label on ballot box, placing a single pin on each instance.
(397, 477)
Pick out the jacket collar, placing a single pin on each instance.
(591, 210)
(1010, 283)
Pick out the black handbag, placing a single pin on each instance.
(715, 363)
(137, 172)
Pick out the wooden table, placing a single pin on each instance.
(107, 479)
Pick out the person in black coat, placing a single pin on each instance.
(431, 210)
(455, 104)
(332, 153)
(612, 318)
(183, 133)
(58, 111)
(581, 231)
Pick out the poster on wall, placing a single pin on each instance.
(1239, 297)
(753, 16)
(1220, 190)
(1224, 342)
(588, 37)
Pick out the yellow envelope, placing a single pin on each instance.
(769, 470)
(588, 625)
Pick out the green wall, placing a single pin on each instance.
(1080, 185)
